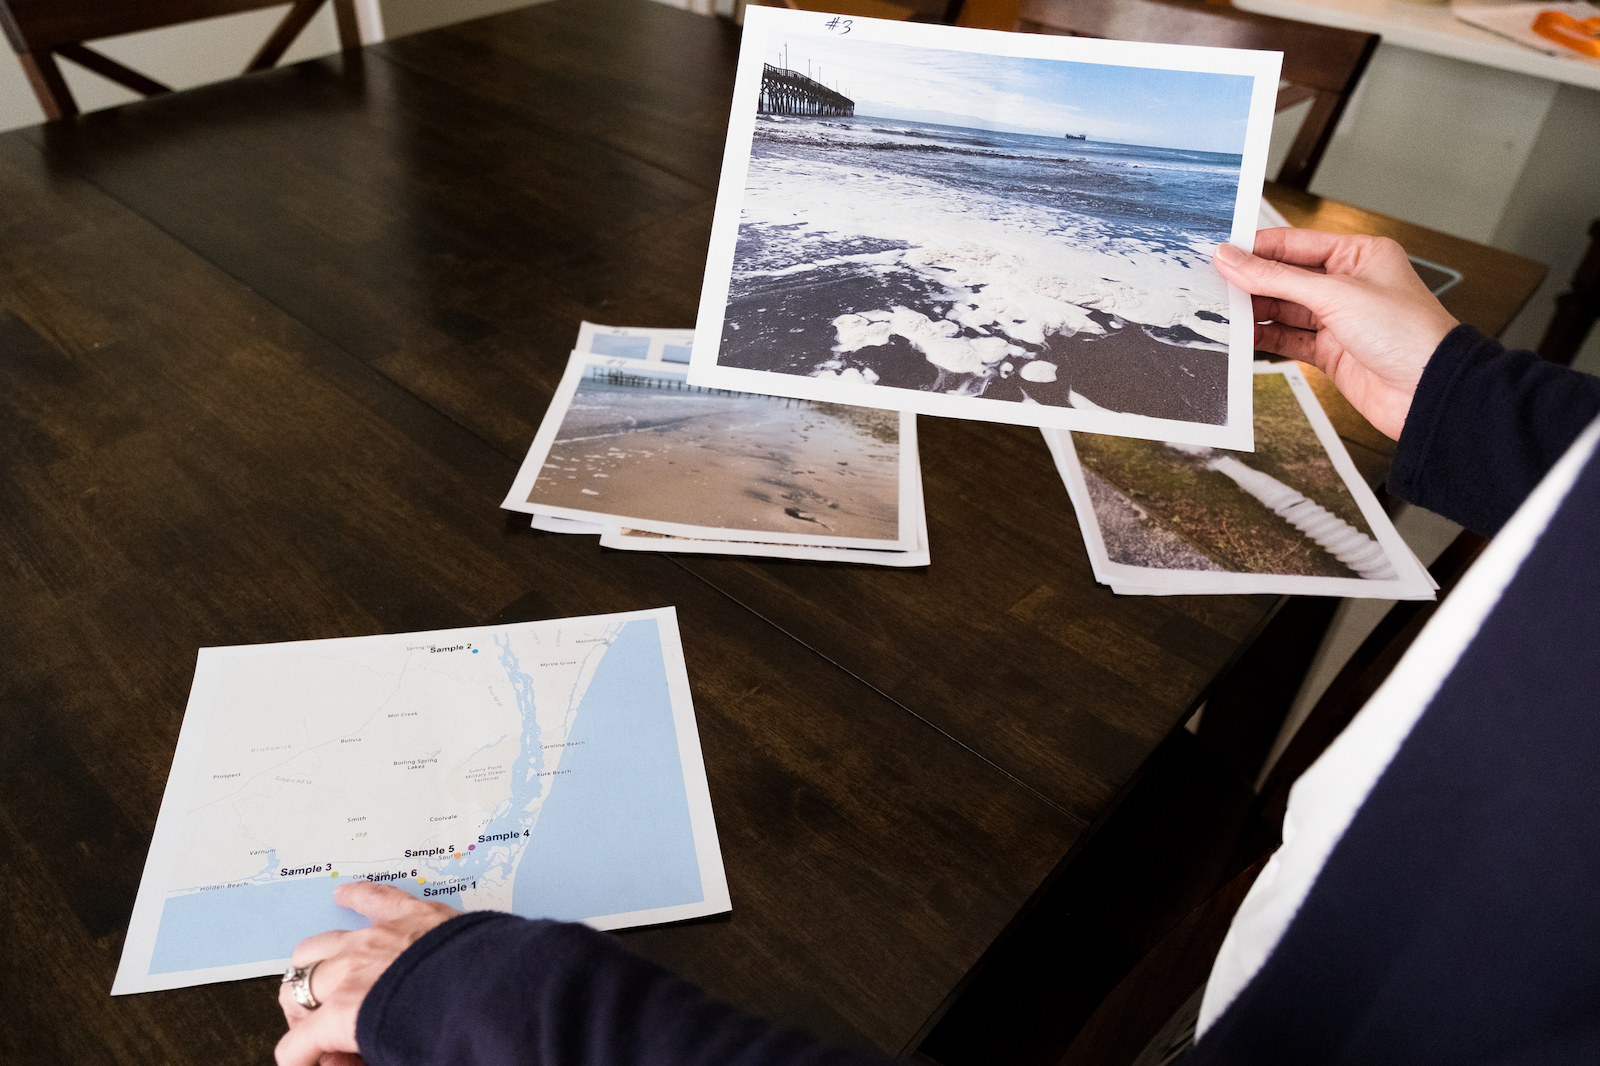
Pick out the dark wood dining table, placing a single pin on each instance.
(271, 351)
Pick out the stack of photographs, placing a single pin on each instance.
(621, 342)
(627, 342)
(629, 449)
(1292, 517)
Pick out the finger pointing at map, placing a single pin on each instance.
(347, 964)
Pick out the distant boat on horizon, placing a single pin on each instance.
(1076, 136)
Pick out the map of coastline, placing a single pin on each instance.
(531, 768)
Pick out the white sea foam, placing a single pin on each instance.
(1014, 271)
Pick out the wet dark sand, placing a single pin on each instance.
(1128, 371)
(785, 325)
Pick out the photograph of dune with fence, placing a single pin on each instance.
(645, 445)
(1283, 509)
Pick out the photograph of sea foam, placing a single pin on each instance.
(1019, 229)
(643, 444)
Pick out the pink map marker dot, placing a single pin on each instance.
(472, 847)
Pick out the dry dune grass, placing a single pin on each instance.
(1210, 512)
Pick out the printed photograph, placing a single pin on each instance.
(1019, 229)
(633, 342)
(1283, 509)
(639, 540)
(641, 443)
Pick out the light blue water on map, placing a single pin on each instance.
(247, 924)
(614, 835)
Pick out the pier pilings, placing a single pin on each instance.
(788, 92)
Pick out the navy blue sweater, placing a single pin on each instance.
(491, 989)
(1485, 425)
(1457, 921)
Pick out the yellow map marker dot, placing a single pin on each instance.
(422, 880)
(335, 873)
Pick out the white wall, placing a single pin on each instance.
(1490, 155)
(1547, 218)
(1435, 141)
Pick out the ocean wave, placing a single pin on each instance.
(898, 146)
(986, 268)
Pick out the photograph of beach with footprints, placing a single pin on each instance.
(1010, 230)
(638, 446)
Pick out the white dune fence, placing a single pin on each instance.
(1333, 534)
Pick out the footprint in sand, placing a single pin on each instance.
(795, 512)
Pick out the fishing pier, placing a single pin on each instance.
(788, 92)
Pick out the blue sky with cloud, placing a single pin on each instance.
(1131, 105)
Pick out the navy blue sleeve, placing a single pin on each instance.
(490, 989)
(1484, 427)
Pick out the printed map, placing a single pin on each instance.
(539, 768)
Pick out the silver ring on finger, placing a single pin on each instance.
(299, 980)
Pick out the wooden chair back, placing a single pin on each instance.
(1321, 64)
(40, 30)
(1577, 309)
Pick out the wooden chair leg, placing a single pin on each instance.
(1163, 982)
(1577, 309)
(48, 85)
(1249, 703)
(301, 13)
(344, 11)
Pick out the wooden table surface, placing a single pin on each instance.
(270, 354)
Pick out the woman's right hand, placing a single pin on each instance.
(1350, 305)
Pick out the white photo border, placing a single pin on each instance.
(1412, 581)
(619, 539)
(761, 22)
(517, 498)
